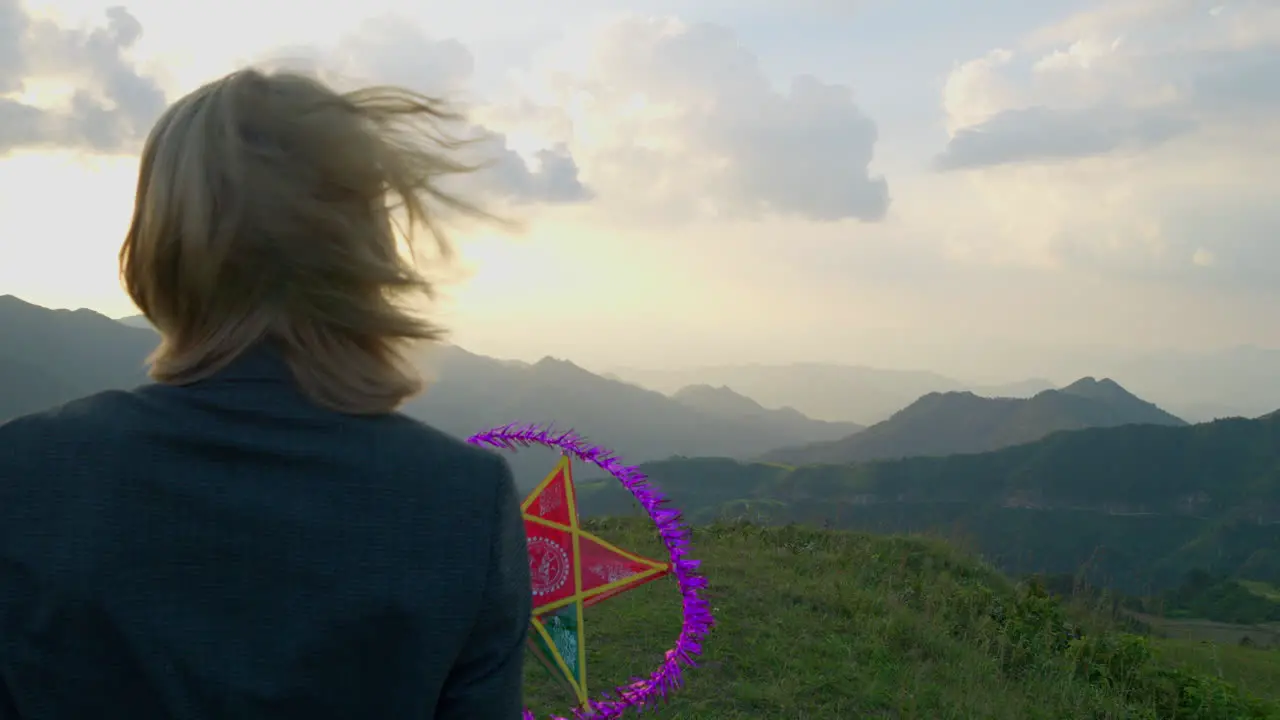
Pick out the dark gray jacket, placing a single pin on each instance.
(229, 550)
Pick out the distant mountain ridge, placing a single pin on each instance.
(136, 321)
(724, 402)
(476, 392)
(837, 393)
(1241, 381)
(48, 357)
(940, 424)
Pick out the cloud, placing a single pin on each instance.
(394, 50)
(1133, 141)
(1126, 78)
(1240, 82)
(553, 177)
(113, 105)
(1042, 133)
(674, 121)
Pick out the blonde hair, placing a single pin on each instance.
(266, 211)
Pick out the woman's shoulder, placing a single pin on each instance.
(103, 408)
(33, 442)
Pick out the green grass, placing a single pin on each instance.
(1253, 670)
(1262, 589)
(1211, 632)
(824, 624)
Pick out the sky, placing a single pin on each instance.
(970, 187)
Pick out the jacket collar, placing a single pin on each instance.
(260, 362)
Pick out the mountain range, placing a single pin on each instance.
(724, 402)
(962, 422)
(1196, 386)
(851, 393)
(48, 357)
(474, 392)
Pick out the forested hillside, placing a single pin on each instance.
(1136, 506)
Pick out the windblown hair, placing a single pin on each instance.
(266, 211)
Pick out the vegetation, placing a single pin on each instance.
(1134, 508)
(1219, 599)
(825, 624)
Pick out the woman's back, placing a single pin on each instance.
(229, 550)
(260, 534)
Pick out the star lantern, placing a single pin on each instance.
(571, 570)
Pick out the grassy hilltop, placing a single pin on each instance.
(825, 624)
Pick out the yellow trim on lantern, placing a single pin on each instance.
(562, 465)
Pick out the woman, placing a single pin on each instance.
(259, 534)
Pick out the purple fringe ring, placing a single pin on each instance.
(697, 620)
